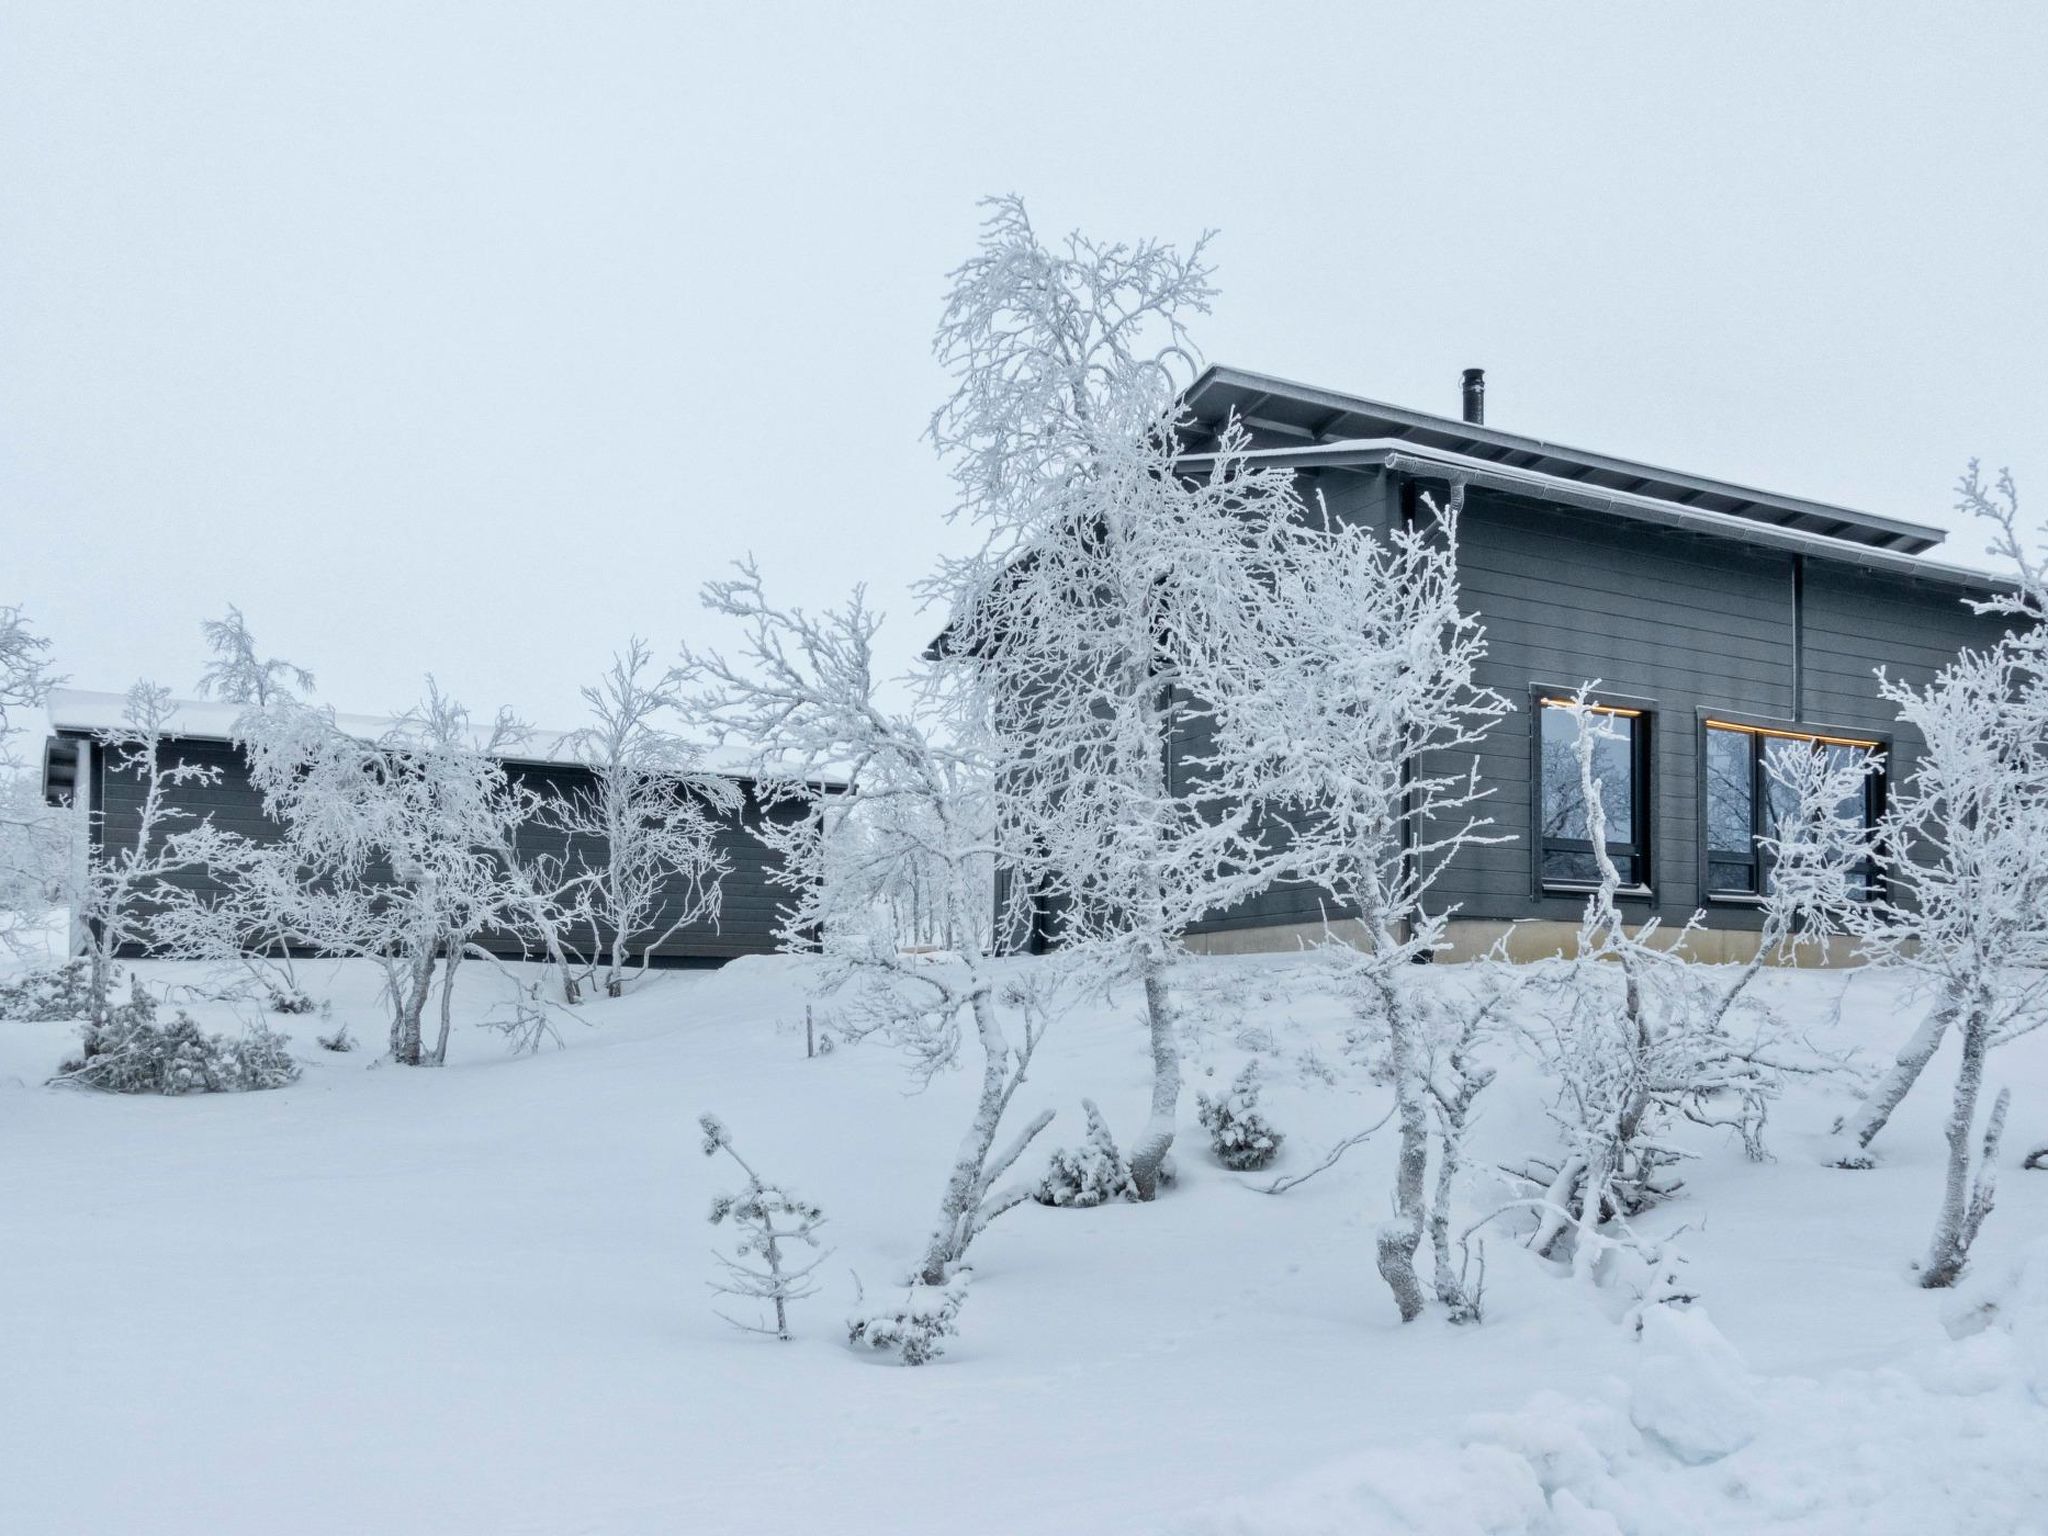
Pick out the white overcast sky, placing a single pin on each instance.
(473, 338)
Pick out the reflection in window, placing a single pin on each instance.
(1746, 801)
(1619, 764)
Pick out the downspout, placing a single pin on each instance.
(1798, 637)
(1408, 497)
(82, 830)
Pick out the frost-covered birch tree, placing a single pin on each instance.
(395, 844)
(1354, 723)
(920, 793)
(1967, 834)
(31, 835)
(129, 879)
(651, 815)
(2007, 687)
(1100, 566)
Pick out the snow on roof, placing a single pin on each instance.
(81, 709)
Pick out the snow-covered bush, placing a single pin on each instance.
(290, 999)
(54, 992)
(1093, 1173)
(768, 1218)
(528, 1019)
(915, 1330)
(132, 1051)
(1240, 1136)
(338, 1040)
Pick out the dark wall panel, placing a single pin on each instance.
(749, 905)
(1684, 623)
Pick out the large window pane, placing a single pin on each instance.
(1781, 777)
(1746, 800)
(1731, 792)
(1564, 801)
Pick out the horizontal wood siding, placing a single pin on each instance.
(1857, 621)
(1672, 620)
(749, 904)
(1684, 622)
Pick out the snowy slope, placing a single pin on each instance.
(473, 1300)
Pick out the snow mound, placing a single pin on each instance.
(1691, 1391)
(2011, 1300)
(1954, 1446)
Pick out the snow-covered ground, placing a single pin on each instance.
(474, 1301)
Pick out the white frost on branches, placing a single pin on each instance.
(646, 830)
(919, 798)
(1354, 721)
(1633, 1035)
(129, 882)
(31, 835)
(1967, 832)
(769, 1217)
(1102, 567)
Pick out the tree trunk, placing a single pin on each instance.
(1151, 1147)
(1400, 1237)
(1858, 1130)
(1954, 1227)
(955, 1228)
(440, 1056)
(1463, 1305)
(408, 1002)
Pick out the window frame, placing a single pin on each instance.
(1759, 729)
(1641, 849)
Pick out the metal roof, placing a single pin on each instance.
(82, 712)
(1283, 412)
(1409, 458)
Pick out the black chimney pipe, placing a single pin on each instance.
(1475, 396)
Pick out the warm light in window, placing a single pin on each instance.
(1765, 730)
(1594, 709)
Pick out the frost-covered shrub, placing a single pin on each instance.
(338, 1040)
(915, 1329)
(291, 1000)
(135, 1052)
(58, 992)
(1093, 1173)
(1242, 1139)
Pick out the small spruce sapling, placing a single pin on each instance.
(769, 1218)
(131, 1051)
(1093, 1173)
(56, 992)
(1242, 1138)
(915, 1330)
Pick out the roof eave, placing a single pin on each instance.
(1436, 463)
(1882, 532)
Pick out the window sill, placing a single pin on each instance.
(1734, 899)
(1589, 888)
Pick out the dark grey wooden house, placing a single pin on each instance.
(105, 807)
(1723, 623)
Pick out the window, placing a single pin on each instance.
(1745, 801)
(1621, 763)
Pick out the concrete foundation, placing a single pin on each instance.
(1525, 941)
